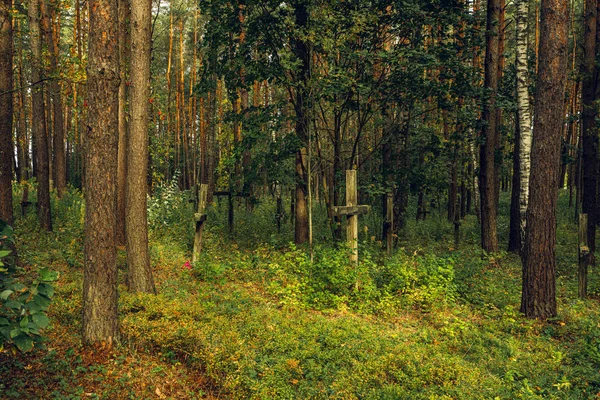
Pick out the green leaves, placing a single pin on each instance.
(22, 307)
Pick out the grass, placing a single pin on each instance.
(255, 318)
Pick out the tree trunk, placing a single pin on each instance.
(302, 52)
(124, 59)
(100, 318)
(590, 131)
(539, 292)
(524, 116)
(59, 169)
(515, 239)
(487, 167)
(6, 112)
(38, 118)
(139, 273)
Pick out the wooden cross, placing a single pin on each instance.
(352, 210)
(200, 217)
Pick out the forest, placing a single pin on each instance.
(303, 199)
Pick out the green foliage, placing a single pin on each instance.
(22, 308)
(331, 282)
(170, 211)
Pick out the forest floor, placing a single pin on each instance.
(256, 318)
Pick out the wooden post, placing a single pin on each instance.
(230, 218)
(200, 217)
(390, 223)
(279, 212)
(352, 210)
(584, 255)
(456, 225)
(352, 226)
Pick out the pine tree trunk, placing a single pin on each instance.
(6, 112)
(139, 273)
(302, 52)
(100, 318)
(59, 169)
(589, 115)
(38, 118)
(487, 167)
(124, 59)
(539, 290)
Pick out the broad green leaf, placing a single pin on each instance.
(24, 322)
(41, 320)
(13, 304)
(23, 343)
(48, 275)
(46, 290)
(4, 321)
(18, 287)
(4, 295)
(33, 308)
(41, 301)
(4, 253)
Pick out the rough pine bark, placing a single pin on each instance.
(38, 128)
(124, 56)
(487, 167)
(100, 322)
(539, 289)
(590, 131)
(139, 272)
(6, 112)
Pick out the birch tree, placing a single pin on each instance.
(524, 115)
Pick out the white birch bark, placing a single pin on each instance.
(524, 111)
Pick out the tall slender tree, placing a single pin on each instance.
(59, 170)
(523, 146)
(487, 167)
(124, 57)
(138, 261)
(38, 126)
(301, 107)
(589, 115)
(6, 111)
(539, 267)
(100, 322)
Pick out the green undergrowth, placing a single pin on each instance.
(257, 318)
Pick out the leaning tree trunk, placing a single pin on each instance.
(139, 273)
(6, 111)
(590, 131)
(38, 117)
(539, 290)
(487, 167)
(100, 319)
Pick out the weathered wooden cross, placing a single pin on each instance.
(200, 217)
(352, 210)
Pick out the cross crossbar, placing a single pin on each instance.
(351, 210)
